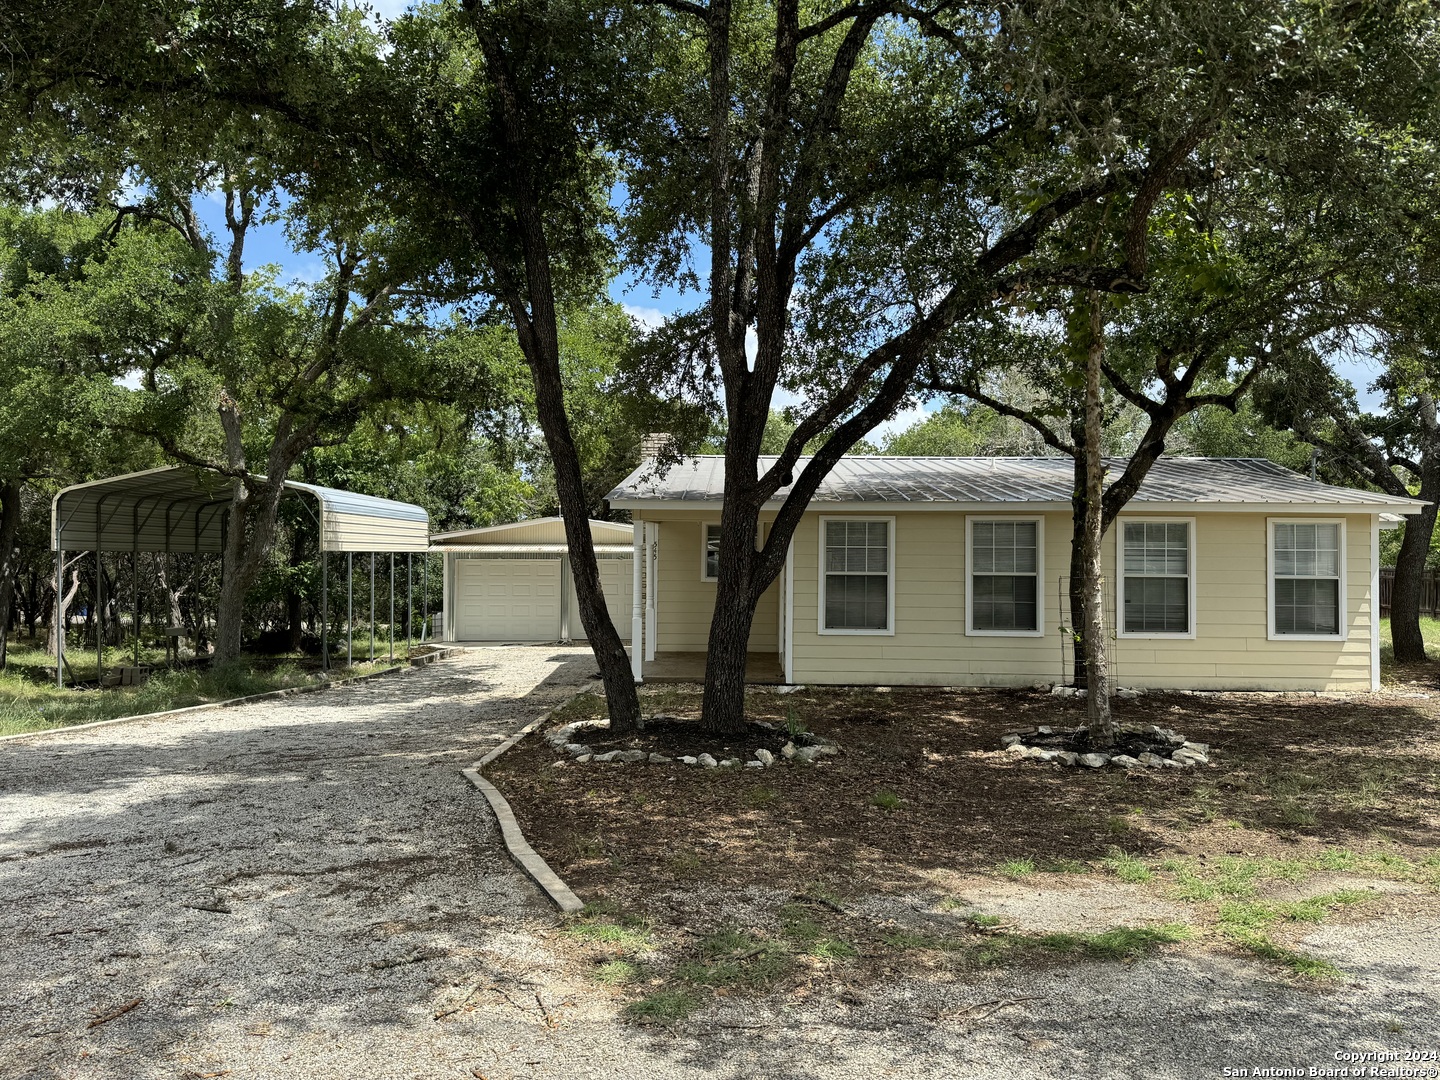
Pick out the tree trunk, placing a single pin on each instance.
(62, 607)
(294, 611)
(722, 709)
(1092, 627)
(252, 528)
(1408, 642)
(9, 553)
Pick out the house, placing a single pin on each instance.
(1236, 574)
(512, 582)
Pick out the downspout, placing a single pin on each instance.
(652, 592)
(790, 612)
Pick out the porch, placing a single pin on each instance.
(762, 669)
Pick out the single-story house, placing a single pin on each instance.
(1220, 574)
(512, 583)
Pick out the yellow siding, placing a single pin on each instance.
(1230, 649)
(684, 603)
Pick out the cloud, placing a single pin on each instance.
(901, 421)
(648, 317)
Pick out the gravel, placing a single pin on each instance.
(309, 888)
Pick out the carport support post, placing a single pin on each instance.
(372, 607)
(349, 608)
(409, 597)
(425, 588)
(392, 607)
(59, 622)
(324, 611)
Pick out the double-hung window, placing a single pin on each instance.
(709, 551)
(1307, 595)
(1004, 595)
(856, 567)
(1157, 578)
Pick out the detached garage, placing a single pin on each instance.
(512, 583)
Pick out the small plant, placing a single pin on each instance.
(886, 800)
(830, 948)
(666, 1007)
(794, 726)
(1016, 868)
(1117, 824)
(758, 798)
(980, 919)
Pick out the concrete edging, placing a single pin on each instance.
(536, 868)
(188, 709)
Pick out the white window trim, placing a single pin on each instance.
(704, 540)
(970, 522)
(1271, 634)
(1191, 544)
(889, 630)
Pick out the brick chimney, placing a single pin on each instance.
(654, 445)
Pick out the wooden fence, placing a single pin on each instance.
(1429, 592)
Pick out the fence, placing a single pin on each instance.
(1429, 592)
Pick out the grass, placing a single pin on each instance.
(1016, 868)
(618, 973)
(603, 924)
(30, 701)
(734, 958)
(1429, 630)
(1121, 943)
(1126, 867)
(886, 800)
(668, 1006)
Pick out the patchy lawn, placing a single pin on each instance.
(921, 844)
(1424, 676)
(30, 701)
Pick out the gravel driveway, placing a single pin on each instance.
(309, 888)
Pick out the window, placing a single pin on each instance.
(857, 563)
(1004, 594)
(1307, 600)
(1156, 577)
(709, 551)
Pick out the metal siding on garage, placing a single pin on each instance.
(507, 599)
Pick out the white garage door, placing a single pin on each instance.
(616, 580)
(507, 599)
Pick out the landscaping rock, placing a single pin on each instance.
(1125, 761)
(1126, 694)
(1059, 690)
(1045, 755)
(707, 761)
(1044, 730)
(826, 750)
(788, 751)
(807, 754)
(1187, 756)
(631, 755)
(1200, 748)
(765, 757)
(687, 759)
(1067, 757)
(754, 764)
(607, 757)
(1095, 761)
(1153, 761)
(582, 759)
(658, 759)
(1171, 763)
(730, 762)
(1018, 750)
(789, 689)
(1009, 740)
(576, 748)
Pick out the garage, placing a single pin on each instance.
(512, 583)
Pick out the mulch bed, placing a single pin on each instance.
(1292, 773)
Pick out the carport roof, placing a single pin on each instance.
(181, 509)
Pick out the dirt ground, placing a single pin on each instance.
(920, 787)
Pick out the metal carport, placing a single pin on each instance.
(176, 509)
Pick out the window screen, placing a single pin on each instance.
(1307, 578)
(712, 552)
(1157, 577)
(857, 575)
(1004, 561)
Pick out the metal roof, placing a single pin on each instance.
(1030, 483)
(488, 534)
(180, 509)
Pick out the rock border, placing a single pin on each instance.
(229, 703)
(1184, 754)
(519, 849)
(563, 738)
